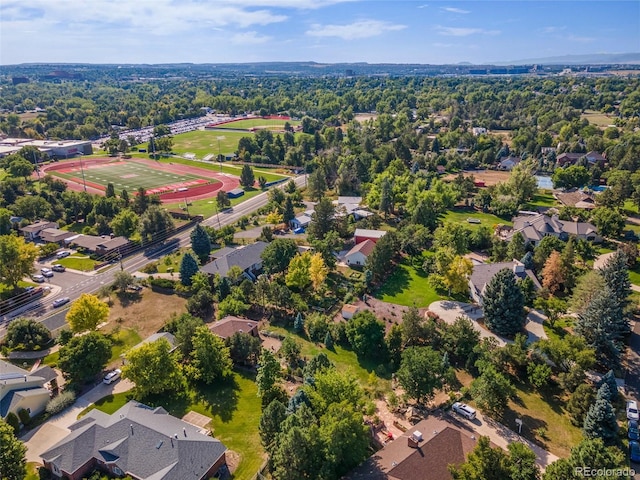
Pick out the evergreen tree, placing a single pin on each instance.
(247, 178)
(289, 213)
(588, 453)
(610, 379)
(224, 289)
(527, 261)
(601, 422)
(270, 424)
(616, 277)
(201, 243)
(579, 403)
(188, 268)
(298, 323)
(323, 219)
(385, 197)
(503, 304)
(516, 248)
(328, 341)
(600, 326)
(316, 184)
(110, 190)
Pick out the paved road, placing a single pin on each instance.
(72, 285)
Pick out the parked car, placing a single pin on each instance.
(60, 301)
(112, 376)
(632, 410)
(464, 410)
(634, 451)
(46, 272)
(37, 278)
(134, 288)
(63, 254)
(56, 267)
(632, 430)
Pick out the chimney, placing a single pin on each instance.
(518, 267)
(184, 431)
(131, 426)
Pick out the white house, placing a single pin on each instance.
(358, 255)
(20, 389)
(348, 311)
(478, 131)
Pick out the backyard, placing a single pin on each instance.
(460, 215)
(408, 286)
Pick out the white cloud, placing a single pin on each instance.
(298, 4)
(249, 38)
(464, 32)
(579, 39)
(552, 29)
(355, 30)
(425, 5)
(455, 10)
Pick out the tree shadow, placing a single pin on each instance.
(128, 298)
(221, 399)
(176, 403)
(396, 283)
(532, 428)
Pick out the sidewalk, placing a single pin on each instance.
(56, 428)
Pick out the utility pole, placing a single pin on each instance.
(35, 160)
(84, 183)
(220, 153)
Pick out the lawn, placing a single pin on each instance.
(543, 410)
(233, 406)
(461, 216)
(207, 207)
(6, 292)
(634, 275)
(271, 123)
(78, 262)
(205, 142)
(225, 168)
(408, 286)
(122, 341)
(597, 118)
(544, 198)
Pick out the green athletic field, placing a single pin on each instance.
(130, 175)
(271, 123)
(205, 142)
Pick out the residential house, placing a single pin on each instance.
(424, 452)
(301, 221)
(577, 198)
(484, 272)
(592, 157)
(595, 158)
(358, 255)
(362, 234)
(477, 131)
(100, 245)
(441, 170)
(230, 324)
(246, 257)
(20, 389)
(32, 231)
(55, 235)
(535, 226)
(157, 336)
(348, 311)
(139, 441)
(508, 163)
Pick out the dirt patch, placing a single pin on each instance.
(145, 313)
(489, 177)
(233, 460)
(363, 117)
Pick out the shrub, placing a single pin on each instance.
(12, 419)
(150, 268)
(163, 283)
(59, 403)
(24, 416)
(27, 334)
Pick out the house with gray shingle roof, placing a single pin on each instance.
(484, 272)
(534, 227)
(20, 389)
(139, 441)
(247, 257)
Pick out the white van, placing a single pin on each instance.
(464, 410)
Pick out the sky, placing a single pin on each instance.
(327, 31)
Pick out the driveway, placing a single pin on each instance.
(56, 428)
(449, 310)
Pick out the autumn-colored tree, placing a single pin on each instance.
(87, 313)
(318, 271)
(554, 273)
(456, 277)
(298, 275)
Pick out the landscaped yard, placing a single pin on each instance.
(544, 198)
(234, 408)
(78, 262)
(408, 286)
(122, 341)
(461, 216)
(634, 275)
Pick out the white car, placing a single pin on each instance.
(632, 410)
(112, 376)
(464, 410)
(60, 302)
(37, 278)
(46, 272)
(63, 254)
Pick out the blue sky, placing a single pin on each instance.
(382, 31)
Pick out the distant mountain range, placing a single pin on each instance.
(586, 59)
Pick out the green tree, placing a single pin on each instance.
(243, 348)
(222, 200)
(86, 313)
(125, 223)
(155, 223)
(278, 254)
(271, 422)
(422, 372)
(290, 350)
(587, 287)
(452, 235)
(13, 463)
(122, 280)
(184, 328)
(84, 357)
(247, 178)
(297, 455)
(522, 182)
(140, 201)
(110, 191)
(16, 259)
(503, 304)
(26, 334)
(456, 277)
(318, 363)
(188, 268)
(386, 197)
(610, 222)
(579, 403)
(366, 335)
(380, 261)
(5, 221)
(574, 176)
(269, 373)
(334, 387)
(153, 369)
(299, 275)
(616, 276)
(552, 307)
(211, 358)
(289, 213)
(492, 391)
(316, 185)
(600, 422)
(21, 167)
(516, 249)
(459, 341)
(201, 243)
(323, 219)
(588, 454)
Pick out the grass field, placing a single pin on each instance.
(408, 286)
(77, 262)
(544, 198)
(207, 207)
(271, 123)
(131, 175)
(233, 406)
(597, 118)
(205, 142)
(486, 219)
(226, 168)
